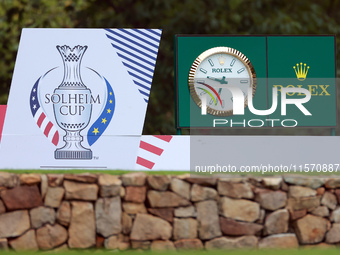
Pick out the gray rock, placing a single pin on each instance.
(108, 216)
(329, 199)
(239, 209)
(184, 229)
(200, 193)
(54, 196)
(26, 242)
(311, 229)
(147, 227)
(180, 187)
(279, 241)
(185, 212)
(208, 221)
(277, 222)
(14, 224)
(333, 235)
(225, 243)
(42, 215)
(234, 189)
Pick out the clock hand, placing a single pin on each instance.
(212, 89)
(222, 81)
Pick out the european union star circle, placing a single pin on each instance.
(100, 125)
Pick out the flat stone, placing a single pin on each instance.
(164, 213)
(303, 203)
(64, 213)
(333, 183)
(43, 185)
(111, 243)
(126, 223)
(294, 215)
(8, 180)
(86, 177)
(337, 194)
(166, 199)
(335, 216)
(279, 241)
(311, 182)
(148, 227)
(208, 220)
(49, 237)
(239, 209)
(271, 200)
(321, 211)
(185, 212)
(26, 242)
(329, 200)
(189, 244)
(272, 182)
(234, 190)
(54, 196)
(162, 245)
(140, 245)
(320, 191)
(55, 180)
(159, 182)
(14, 224)
(299, 191)
(225, 243)
(29, 179)
(135, 194)
(134, 179)
(80, 191)
(276, 222)
(133, 208)
(22, 197)
(3, 244)
(319, 246)
(333, 235)
(180, 187)
(184, 228)
(82, 229)
(42, 215)
(201, 193)
(203, 181)
(231, 227)
(311, 229)
(108, 216)
(109, 185)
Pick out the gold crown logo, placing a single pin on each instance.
(301, 71)
(221, 59)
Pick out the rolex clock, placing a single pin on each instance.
(212, 75)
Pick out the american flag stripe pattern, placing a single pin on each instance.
(151, 148)
(39, 116)
(2, 118)
(137, 48)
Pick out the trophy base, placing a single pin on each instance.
(61, 154)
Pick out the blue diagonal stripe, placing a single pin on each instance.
(138, 77)
(133, 55)
(130, 47)
(134, 62)
(141, 85)
(133, 42)
(146, 35)
(154, 32)
(138, 38)
(143, 93)
(137, 70)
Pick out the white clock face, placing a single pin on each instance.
(215, 73)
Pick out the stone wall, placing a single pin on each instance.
(65, 211)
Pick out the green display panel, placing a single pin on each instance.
(273, 59)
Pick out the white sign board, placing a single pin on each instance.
(78, 98)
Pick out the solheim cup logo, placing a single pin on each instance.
(72, 109)
(72, 105)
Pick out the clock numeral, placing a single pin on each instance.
(243, 81)
(241, 70)
(203, 70)
(211, 62)
(232, 62)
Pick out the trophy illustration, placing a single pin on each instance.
(72, 105)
